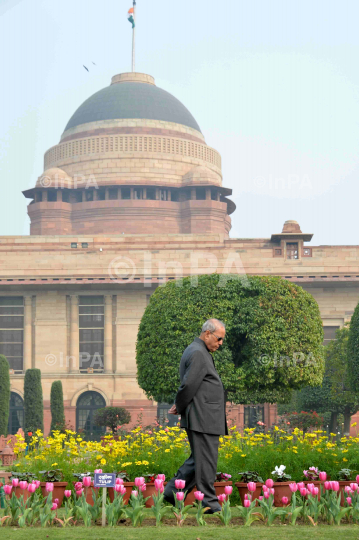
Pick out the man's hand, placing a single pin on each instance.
(173, 409)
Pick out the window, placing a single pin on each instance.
(151, 194)
(252, 415)
(307, 252)
(12, 330)
(65, 196)
(39, 196)
(84, 245)
(101, 194)
(163, 194)
(329, 333)
(16, 414)
(277, 252)
(112, 194)
(174, 195)
(213, 194)
(89, 195)
(163, 418)
(200, 194)
(78, 196)
(51, 195)
(87, 405)
(73, 244)
(187, 194)
(126, 193)
(91, 325)
(292, 250)
(137, 193)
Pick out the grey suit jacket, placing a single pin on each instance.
(200, 399)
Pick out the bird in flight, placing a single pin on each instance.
(86, 68)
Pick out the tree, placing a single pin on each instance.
(4, 395)
(335, 394)
(273, 339)
(57, 407)
(33, 403)
(112, 417)
(353, 350)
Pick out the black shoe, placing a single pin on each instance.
(211, 511)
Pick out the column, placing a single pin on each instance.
(74, 335)
(132, 195)
(107, 194)
(108, 335)
(144, 193)
(208, 194)
(27, 355)
(193, 194)
(168, 194)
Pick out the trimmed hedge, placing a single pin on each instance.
(273, 342)
(4, 395)
(33, 403)
(112, 417)
(57, 407)
(353, 350)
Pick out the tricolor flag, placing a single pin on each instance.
(130, 17)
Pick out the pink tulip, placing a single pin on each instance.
(118, 488)
(122, 489)
(284, 500)
(301, 485)
(327, 485)
(269, 483)
(78, 486)
(180, 484)
(79, 492)
(357, 479)
(248, 496)
(7, 489)
(322, 476)
(266, 495)
(246, 504)
(15, 482)
(31, 488)
(179, 495)
(310, 487)
(198, 495)
(354, 486)
(37, 482)
(139, 481)
(335, 486)
(251, 486)
(67, 493)
(23, 484)
(264, 487)
(161, 477)
(293, 487)
(134, 493)
(221, 497)
(349, 501)
(56, 501)
(158, 484)
(315, 491)
(54, 506)
(49, 487)
(86, 481)
(260, 497)
(271, 491)
(228, 490)
(98, 471)
(303, 492)
(119, 480)
(142, 487)
(348, 489)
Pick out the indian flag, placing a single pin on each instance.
(130, 17)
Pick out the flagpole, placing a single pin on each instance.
(133, 36)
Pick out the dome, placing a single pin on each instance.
(54, 178)
(132, 96)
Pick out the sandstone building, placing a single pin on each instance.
(132, 196)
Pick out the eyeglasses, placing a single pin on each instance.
(218, 338)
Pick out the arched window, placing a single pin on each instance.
(87, 404)
(16, 414)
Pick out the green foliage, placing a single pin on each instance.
(53, 475)
(305, 420)
(33, 403)
(57, 407)
(112, 417)
(273, 341)
(4, 394)
(353, 350)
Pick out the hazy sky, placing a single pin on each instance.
(273, 85)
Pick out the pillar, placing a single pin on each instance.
(108, 335)
(208, 194)
(74, 334)
(27, 356)
(107, 194)
(193, 194)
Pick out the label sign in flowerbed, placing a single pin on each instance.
(104, 480)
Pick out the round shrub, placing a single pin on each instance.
(273, 338)
(112, 417)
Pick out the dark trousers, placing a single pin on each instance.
(199, 469)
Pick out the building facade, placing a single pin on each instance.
(132, 197)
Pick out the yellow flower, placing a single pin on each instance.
(54, 464)
(167, 450)
(243, 455)
(103, 461)
(344, 459)
(354, 424)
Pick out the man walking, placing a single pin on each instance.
(201, 403)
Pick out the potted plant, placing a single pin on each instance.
(55, 476)
(126, 482)
(244, 478)
(281, 481)
(222, 480)
(113, 418)
(79, 483)
(22, 477)
(345, 478)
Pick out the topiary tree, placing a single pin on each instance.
(112, 417)
(353, 350)
(4, 395)
(33, 403)
(57, 407)
(273, 341)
